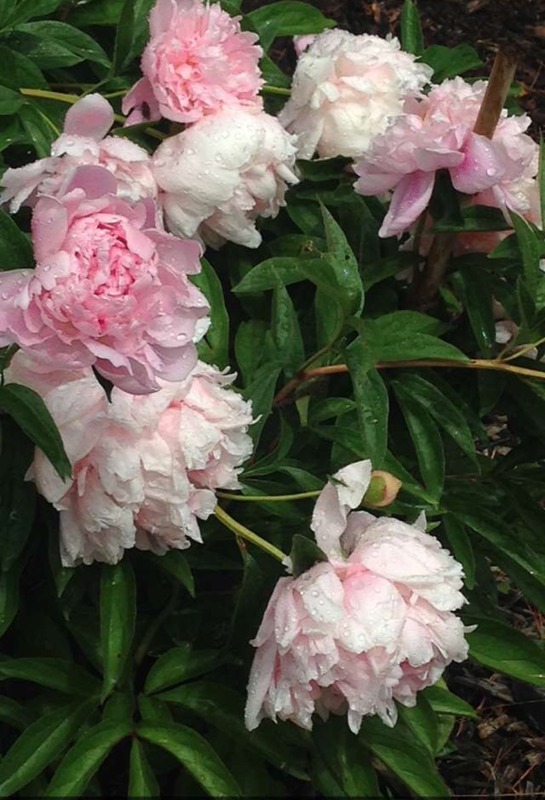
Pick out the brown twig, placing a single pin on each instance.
(339, 369)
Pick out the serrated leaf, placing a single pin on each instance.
(286, 18)
(29, 411)
(142, 781)
(195, 754)
(181, 664)
(40, 744)
(84, 758)
(56, 673)
(117, 620)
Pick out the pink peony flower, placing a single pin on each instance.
(82, 142)
(144, 468)
(371, 625)
(435, 133)
(196, 62)
(346, 90)
(220, 174)
(109, 289)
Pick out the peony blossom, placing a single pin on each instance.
(196, 62)
(144, 468)
(437, 133)
(109, 289)
(371, 625)
(82, 143)
(346, 91)
(220, 174)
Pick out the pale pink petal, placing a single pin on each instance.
(411, 197)
(481, 168)
(92, 116)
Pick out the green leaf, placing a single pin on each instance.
(445, 413)
(9, 595)
(10, 102)
(426, 439)
(195, 754)
(14, 714)
(341, 753)
(23, 10)
(503, 649)
(16, 71)
(142, 781)
(132, 33)
(289, 270)
(217, 336)
(117, 619)
(39, 129)
(421, 720)
(541, 182)
(84, 758)
(17, 496)
(56, 673)
(285, 329)
(477, 299)
(345, 264)
(396, 748)
(99, 12)
(304, 554)
(474, 218)
(40, 744)
(175, 563)
(461, 546)
(61, 45)
(411, 33)
(29, 411)
(261, 393)
(372, 401)
(528, 239)
(448, 62)
(16, 247)
(286, 18)
(223, 708)
(250, 602)
(249, 347)
(180, 664)
(444, 702)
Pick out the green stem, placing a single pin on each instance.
(61, 97)
(245, 533)
(149, 634)
(267, 498)
(268, 89)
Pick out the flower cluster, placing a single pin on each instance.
(436, 132)
(145, 468)
(370, 625)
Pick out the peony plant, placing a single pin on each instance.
(272, 400)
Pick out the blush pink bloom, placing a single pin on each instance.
(83, 142)
(371, 625)
(222, 173)
(109, 289)
(144, 468)
(346, 90)
(196, 62)
(435, 133)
